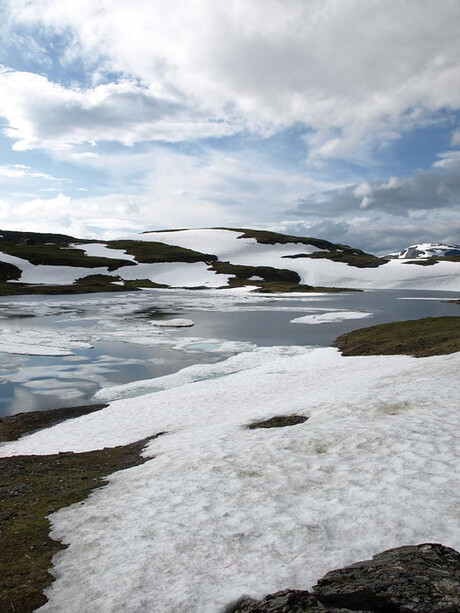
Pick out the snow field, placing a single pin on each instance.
(228, 247)
(221, 510)
(318, 272)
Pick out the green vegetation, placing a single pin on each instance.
(274, 288)
(267, 273)
(85, 285)
(151, 252)
(31, 488)
(272, 238)
(59, 255)
(434, 260)
(352, 258)
(9, 271)
(13, 427)
(39, 238)
(275, 280)
(279, 421)
(331, 251)
(419, 337)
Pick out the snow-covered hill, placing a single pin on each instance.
(426, 250)
(216, 258)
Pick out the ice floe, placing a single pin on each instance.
(330, 317)
(220, 511)
(39, 342)
(173, 323)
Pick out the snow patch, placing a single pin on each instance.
(173, 323)
(332, 317)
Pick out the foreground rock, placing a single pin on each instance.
(412, 579)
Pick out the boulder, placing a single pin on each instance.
(411, 579)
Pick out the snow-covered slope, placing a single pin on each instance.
(426, 250)
(220, 510)
(201, 258)
(228, 246)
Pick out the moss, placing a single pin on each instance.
(419, 337)
(351, 257)
(267, 273)
(39, 238)
(272, 238)
(60, 255)
(434, 260)
(31, 488)
(15, 426)
(280, 421)
(274, 288)
(82, 287)
(9, 271)
(151, 252)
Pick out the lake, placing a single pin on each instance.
(111, 339)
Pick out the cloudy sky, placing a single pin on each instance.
(331, 118)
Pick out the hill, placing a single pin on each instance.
(206, 258)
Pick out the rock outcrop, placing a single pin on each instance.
(411, 579)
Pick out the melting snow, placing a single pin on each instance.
(173, 323)
(334, 316)
(221, 510)
(39, 342)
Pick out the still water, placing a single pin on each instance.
(124, 346)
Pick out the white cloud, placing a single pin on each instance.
(20, 171)
(358, 73)
(164, 188)
(126, 112)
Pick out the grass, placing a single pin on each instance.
(279, 421)
(152, 252)
(31, 488)
(85, 285)
(275, 288)
(60, 255)
(9, 272)
(434, 260)
(267, 273)
(352, 258)
(275, 280)
(13, 427)
(419, 337)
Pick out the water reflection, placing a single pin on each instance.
(126, 347)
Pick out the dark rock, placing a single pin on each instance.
(412, 579)
(288, 601)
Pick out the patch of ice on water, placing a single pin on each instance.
(39, 342)
(173, 323)
(332, 317)
(198, 372)
(222, 511)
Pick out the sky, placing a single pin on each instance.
(338, 119)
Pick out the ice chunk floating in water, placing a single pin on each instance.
(173, 323)
(332, 317)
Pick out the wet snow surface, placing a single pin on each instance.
(220, 510)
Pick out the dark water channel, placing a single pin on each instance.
(42, 382)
